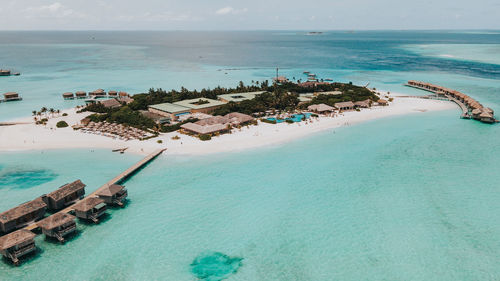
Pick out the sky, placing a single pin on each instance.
(248, 14)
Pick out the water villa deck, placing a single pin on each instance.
(16, 224)
(11, 96)
(469, 106)
(22, 215)
(17, 244)
(58, 225)
(66, 195)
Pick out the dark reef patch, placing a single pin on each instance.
(214, 266)
(19, 178)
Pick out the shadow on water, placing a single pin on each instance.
(67, 239)
(102, 219)
(24, 259)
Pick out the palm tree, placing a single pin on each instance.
(43, 110)
(51, 112)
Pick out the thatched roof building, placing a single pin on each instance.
(113, 195)
(202, 130)
(111, 103)
(320, 108)
(22, 215)
(80, 94)
(68, 95)
(347, 105)
(237, 118)
(382, 102)
(363, 104)
(65, 195)
(58, 225)
(17, 244)
(90, 208)
(112, 93)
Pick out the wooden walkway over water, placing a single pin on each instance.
(120, 178)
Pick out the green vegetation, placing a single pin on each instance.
(205, 137)
(65, 114)
(159, 141)
(61, 124)
(268, 121)
(200, 102)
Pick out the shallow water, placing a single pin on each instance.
(408, 198)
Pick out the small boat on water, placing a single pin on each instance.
(121, 150)
(306, 72)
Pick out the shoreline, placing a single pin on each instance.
(28, 137)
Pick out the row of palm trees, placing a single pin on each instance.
(45, 112)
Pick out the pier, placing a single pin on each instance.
(471, 109)
(118, 179)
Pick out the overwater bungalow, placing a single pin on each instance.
(66, 195)
(22, 215)
(58, 225)
(90, 208)
(81, 95)
(112, 93)
(17, 244)
(98, 93)
(113, 195)
(68, 96)
(11, 96)
(123, 94)
(348, 105)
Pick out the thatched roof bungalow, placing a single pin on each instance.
(68, 95)
(112, 93)
(4, 72)
(11, 96)
(22, 215)
(203, 130)
(382, 102)
(98, 93)
(348, 105)
(81, 94)
(58, 225)
(111, 103)
(320, 108)
(90, 208)
(237, 118)
(66, 195)
(363, 104)
(17, 244)
(113, 195)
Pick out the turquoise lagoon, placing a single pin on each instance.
(408, 198)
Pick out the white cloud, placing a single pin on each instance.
(230, 11)
(54, 10)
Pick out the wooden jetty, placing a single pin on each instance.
(116, 180)
(469, 106)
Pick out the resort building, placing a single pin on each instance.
(22, 215)
(328, 93)
(68, 96)
(320, 108)
(363, 104)
(125, 99)
(239, 97)
(159, 119)
(312, 84)
(217, 124)
(90, 208)
(113, 195)
(280, 79)
(170, 110)
(58, 225)
(305, 98)
(112, 93)
(81, 95)
(66, 195)
(204, 129)
(203, 105)
(11, 96)
(348, 105)
(111, 103)
(17, 244)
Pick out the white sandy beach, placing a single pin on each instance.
(39, 137)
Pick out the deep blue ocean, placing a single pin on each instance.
(407, 198)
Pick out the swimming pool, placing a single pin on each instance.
(294, 118)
